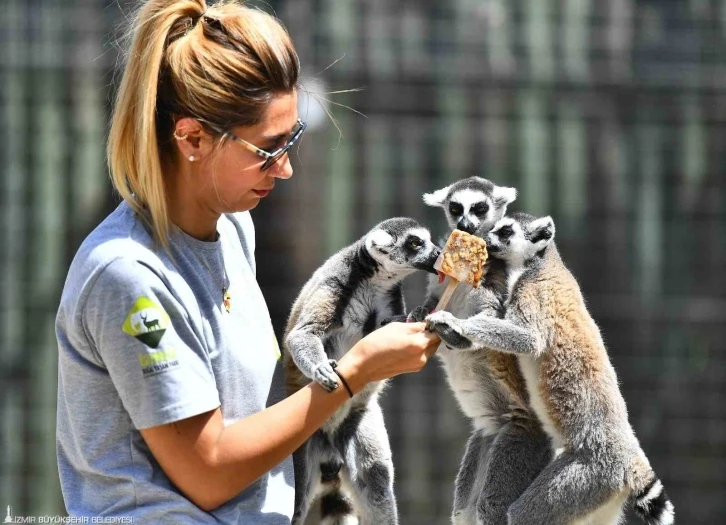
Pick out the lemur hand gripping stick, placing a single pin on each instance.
(462, 260)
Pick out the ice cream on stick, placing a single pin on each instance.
(462, 260)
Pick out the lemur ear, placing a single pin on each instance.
(541, 232)
(380, 240)
(502, 195)
(437, 198)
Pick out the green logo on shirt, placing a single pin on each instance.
(276, 348)
(147, 322)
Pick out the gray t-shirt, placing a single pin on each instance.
(145, 339)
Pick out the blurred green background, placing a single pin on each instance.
(610, 116)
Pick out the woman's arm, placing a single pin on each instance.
(211, 463)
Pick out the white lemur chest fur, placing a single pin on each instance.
(368, 306)
(478, 394)
(530, 367)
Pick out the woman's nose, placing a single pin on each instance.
(282, 169)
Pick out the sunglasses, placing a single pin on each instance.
(271, 156)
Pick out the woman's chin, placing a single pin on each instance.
(249, 202)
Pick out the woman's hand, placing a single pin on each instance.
(394, 349)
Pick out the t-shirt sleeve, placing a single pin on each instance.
(142, 333)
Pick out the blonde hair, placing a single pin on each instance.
(221, 65)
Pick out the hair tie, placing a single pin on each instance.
(201, 16)
(182, 26)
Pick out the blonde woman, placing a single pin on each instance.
(167, 407)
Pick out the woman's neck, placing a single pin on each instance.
(186, 210)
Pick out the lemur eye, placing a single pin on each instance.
(480, 208)
(505, 232)
(415, 242)
(455, 208)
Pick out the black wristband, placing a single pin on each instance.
(334, 364)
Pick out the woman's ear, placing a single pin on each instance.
(193, 141)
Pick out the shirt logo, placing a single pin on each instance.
(146, 321)
(276, 348)
(159, 361)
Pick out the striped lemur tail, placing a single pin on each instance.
(651, 504)
(336, 509)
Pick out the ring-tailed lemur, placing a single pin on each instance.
(508, 447)
(572, 385)
(345, 299)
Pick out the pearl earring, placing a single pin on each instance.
(191, 158)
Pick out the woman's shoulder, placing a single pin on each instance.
(123, 234)
(120, 243)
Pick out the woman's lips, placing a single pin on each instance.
(261, 193)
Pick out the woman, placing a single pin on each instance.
(167, 354)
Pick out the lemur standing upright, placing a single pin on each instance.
(507, 448)
(572, 385)
(345, 299)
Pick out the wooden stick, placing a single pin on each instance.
(448, 293)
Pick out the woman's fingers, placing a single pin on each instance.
(433, 344)
(426, 343)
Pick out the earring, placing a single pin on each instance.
(191, 158)
(177, 137)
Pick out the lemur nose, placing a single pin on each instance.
(466, 225)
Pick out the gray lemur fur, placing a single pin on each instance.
(573, 387)
(345, 299)
(507, 448)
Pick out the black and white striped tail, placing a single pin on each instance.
(336, 509)
(653, 506)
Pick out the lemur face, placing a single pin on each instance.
(519, 238)
(402, 246)
(473, 204)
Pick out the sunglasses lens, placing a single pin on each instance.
(272, 160)
(297, 133)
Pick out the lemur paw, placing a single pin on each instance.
(418, 314)
(325, 376)
(448, 329)
(394, 319)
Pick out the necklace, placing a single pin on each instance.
(226, 296)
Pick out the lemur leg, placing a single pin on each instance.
(368, 456)
(482, 330)
(309, 355)
(311, 462)
(572, 487)
(519, 453)
(469, 480)
(303, 464)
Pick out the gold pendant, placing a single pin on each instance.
(226, 299)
